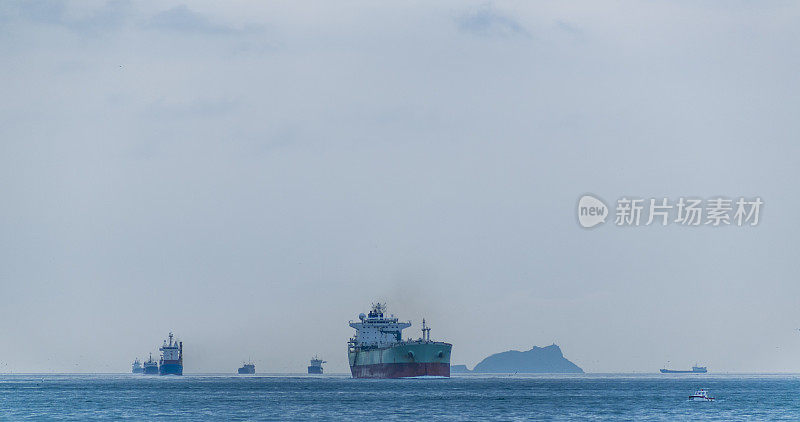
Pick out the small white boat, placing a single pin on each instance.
(701, 395)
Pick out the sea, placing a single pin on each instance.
(601, 397)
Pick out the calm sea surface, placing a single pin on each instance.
(337, 397)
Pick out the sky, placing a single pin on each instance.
(253, 175)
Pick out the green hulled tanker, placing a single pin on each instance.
(379, 351)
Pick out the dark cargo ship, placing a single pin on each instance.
(316, 365)
(136, 367)
(151, 366)
(247, 369)
(695, 370)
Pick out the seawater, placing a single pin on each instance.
(338, 397)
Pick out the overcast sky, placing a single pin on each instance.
(252, 175)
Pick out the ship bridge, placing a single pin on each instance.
(170, 351)
(377, 330)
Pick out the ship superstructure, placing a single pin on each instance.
(136, 367)
(151, 366)
(379, 351)
(171, 357)
(316, 365)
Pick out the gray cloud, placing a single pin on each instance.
(181, 18)
(111, 15)
(488, 21)
(569, 28)
(42, 11)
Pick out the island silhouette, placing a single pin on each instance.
(538, 360)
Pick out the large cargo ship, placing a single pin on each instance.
(379, 351)
(315, 366)
(171, 358)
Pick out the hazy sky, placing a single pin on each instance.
(251, 175)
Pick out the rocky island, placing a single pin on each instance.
(538, 360)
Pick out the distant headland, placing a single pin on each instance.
(538, 360)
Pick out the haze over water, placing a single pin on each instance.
(251, 176)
